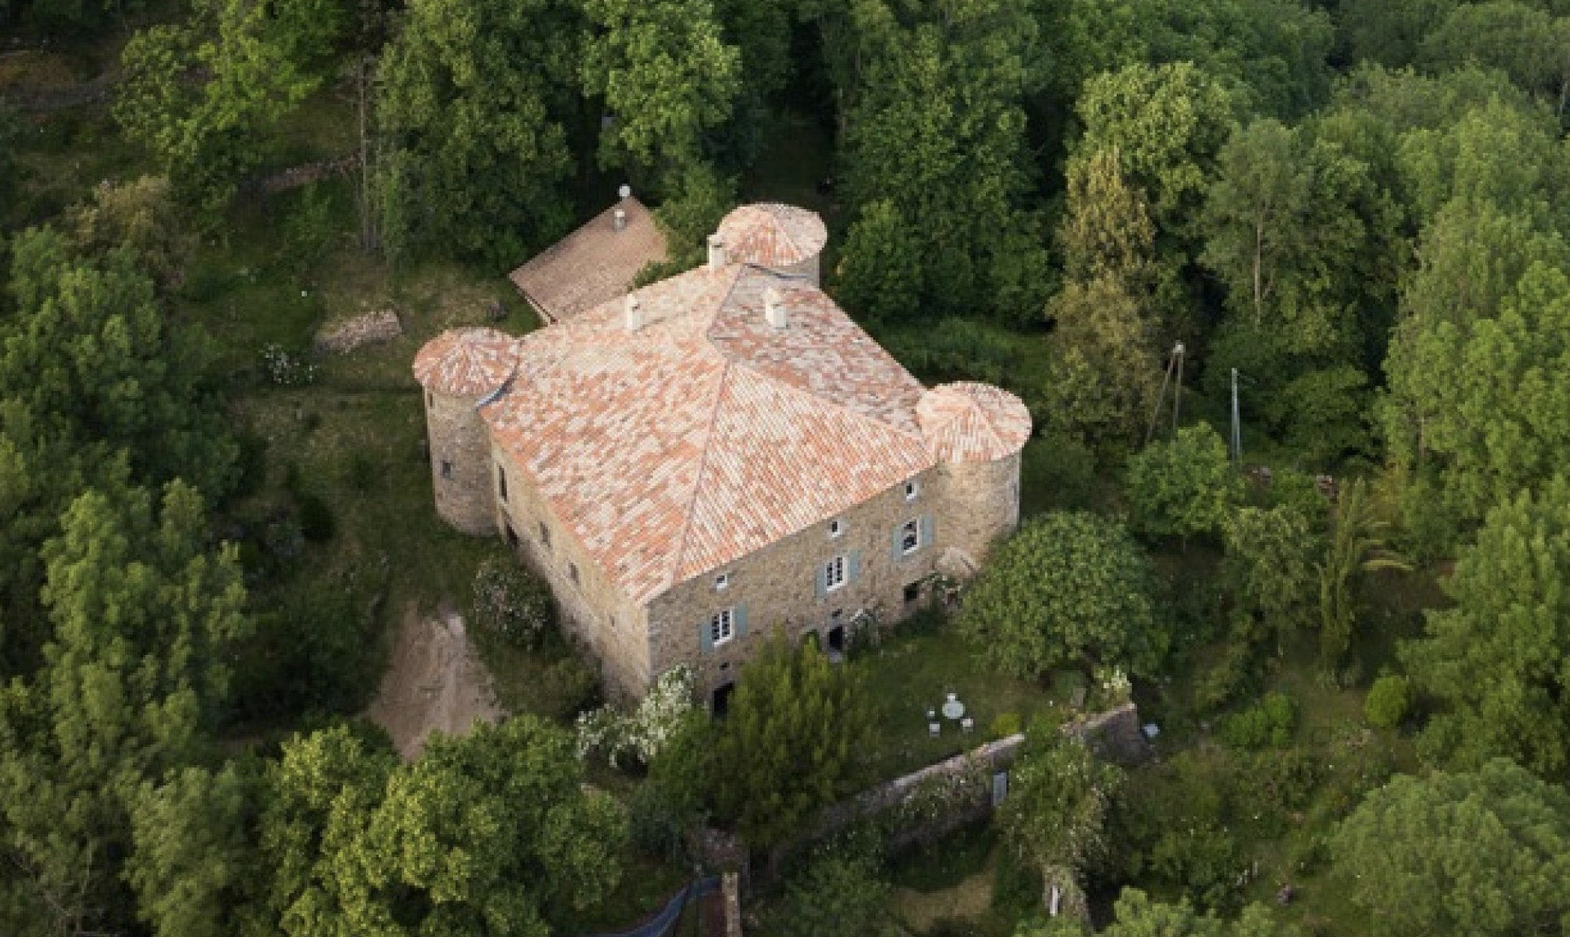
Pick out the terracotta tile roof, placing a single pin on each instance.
(466, 362)
(592, 265)
(707, 433)
(968, 422)
(772, 235)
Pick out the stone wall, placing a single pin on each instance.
(777, 586)
(372, 328)
(1114, 735)
(807, 268)
(593, 609)
(460, 463)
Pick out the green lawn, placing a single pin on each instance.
(906, 675)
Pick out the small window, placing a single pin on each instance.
(834, 573)
(836, 527)
(512, 535)
(545, 534)
(911, 490)
(722, 582)
(446, 469)
(430, 399)
(910, 537)
(912, 592)
(501, 482)
(572, 570)
(722, 627)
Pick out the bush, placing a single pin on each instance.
(655, 826)
(1388, 702)
(1005, 725)
(568, 687)
(361, 471)
(510, 605)
(316, 519)
(1269, 722)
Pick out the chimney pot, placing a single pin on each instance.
(624, 191)
(716, 252)
(774, 308)
(619, 221)
(634, 314)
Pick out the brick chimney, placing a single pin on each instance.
(716, 252)
(774, 308)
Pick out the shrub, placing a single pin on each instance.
(1269, 722)
(641, 733)
(361, 471)
(655, 826)
(510, 605)
(287, 368)
(316, 519)
(1005, 725)
(1388, 702)
(568, 687)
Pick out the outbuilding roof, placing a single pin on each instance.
(593, 264)
(772, 235)
(466, 362)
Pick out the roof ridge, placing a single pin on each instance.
(679, 554)
(780, 226)
(836, 404)
(708, 430)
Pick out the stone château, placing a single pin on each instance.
(699, 461)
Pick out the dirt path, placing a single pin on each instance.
(435, 682)
(970, 898)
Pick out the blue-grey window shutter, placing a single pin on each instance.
(822, 582)
(896, 548)
(705, 636)
(853, 562)
(926, 530)
(739, 621)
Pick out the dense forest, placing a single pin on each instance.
(1285, 285)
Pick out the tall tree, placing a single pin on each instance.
(1269, 565)
(1183, 486)
(491, 833)
(1485, 853)
(1066, 590)
(1474, 397)
(144, 621)
(791, 742)
(1105, 367)
(1499, 660)
(935, 127)
(667, 77)
(474, 100)
(1056, 811)
(1529, 44)
(203, 95)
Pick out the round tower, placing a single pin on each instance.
(782, 238)
(977, 433)
(459, 370)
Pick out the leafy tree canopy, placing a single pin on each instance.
(1183, 486)
(474, 97)
(1484, 853)
(1500, 658)
(1067, 588)
(791, 742)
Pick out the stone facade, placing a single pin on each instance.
(781, 586)
(460, 448)
(597, 615)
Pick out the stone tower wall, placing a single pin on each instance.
(807, 268)
(981, 503)
(460, 463)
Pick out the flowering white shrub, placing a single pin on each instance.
(643, 732)
(286, 368)
(1115, 686)
(511, 604)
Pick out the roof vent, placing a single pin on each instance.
(619, 219)
(774, 308)
(716, 252)
(634, 314)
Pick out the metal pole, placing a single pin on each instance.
(1237, 424)
(1161, 398)
(1177, 389)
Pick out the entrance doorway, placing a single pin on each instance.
(837, 639)
(721, 698)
